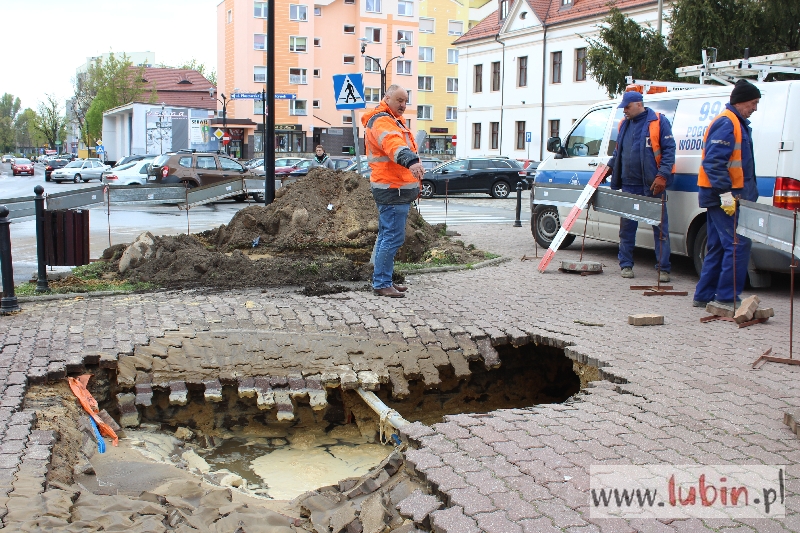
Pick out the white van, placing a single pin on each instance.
(592, 139)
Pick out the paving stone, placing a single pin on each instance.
(212, 392)
(178, 394)
(418, 506)
(144, 394)
(452, 520)
(646, 320)
(471, 501)
(497, 522)
(444, 479)
(746, 309)
(491, 359)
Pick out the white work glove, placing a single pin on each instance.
(728, 203)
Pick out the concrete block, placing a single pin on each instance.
(178, 394)
(213, 390)
(247, 387)
(646, 320)
(369, 380)
(767, 312)
(746, 310)
(719, 310)
(128, 414)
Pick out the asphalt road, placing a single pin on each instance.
(124, 224)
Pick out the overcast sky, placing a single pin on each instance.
(44, 41)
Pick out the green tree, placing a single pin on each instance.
(623, 44)
(26, 133)
(50, 121)
(115, 81)
(9, 108)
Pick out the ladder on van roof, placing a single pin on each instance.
(727, 72)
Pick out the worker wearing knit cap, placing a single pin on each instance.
(727, 173)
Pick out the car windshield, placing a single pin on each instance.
(75, 164)
(160, 160)
(21, 161)
(126, 166)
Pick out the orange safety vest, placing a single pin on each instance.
(384, 137)
(654, 130)
(735, 170)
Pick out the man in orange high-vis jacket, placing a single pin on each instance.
(727, 172)
(395, 179)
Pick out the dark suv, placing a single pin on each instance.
(496, 176)
(52, 165)
(195, 169)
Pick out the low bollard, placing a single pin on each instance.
(8, 303)
(518, 222)
(41, 253)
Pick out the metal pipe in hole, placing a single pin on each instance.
(375, 403)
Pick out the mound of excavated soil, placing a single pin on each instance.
(319, 229)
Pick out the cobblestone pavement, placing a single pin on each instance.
(682, 393)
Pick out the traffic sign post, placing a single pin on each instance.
(528, 137)
(348, 90)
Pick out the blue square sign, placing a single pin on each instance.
(527, 136)
(348, 89)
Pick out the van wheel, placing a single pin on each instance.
(545, 225)
(700, 245)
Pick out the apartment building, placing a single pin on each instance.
(522, 70)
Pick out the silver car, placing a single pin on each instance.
(80, 170)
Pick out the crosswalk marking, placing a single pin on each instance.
(435, 214)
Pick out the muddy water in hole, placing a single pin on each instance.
(280, 467)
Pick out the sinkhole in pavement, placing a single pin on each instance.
(234, 437)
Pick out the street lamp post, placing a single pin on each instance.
(224, 103)
(160, 124)
(365, 42)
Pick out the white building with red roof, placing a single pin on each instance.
(522, 70)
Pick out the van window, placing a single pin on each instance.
(206, 162)
(586, 138)
(185, 162)
(665, 107)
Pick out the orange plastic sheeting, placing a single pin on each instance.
(78, 387)
(654, 89)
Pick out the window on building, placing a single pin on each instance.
(408, 123)
(425, 83)
(297, 76)
(566, 2)
(452, 56)
(424, 112)
(372, 94)
(260, 9)
(260, 74)
(230, 16)
(427, 25)
(455, 27)
(259, 41)
(315, 104)
(408, 102)
(370, 65)
(556, 61)
(349, 60)
(405, 9)
(317, 11)
(426, 53)
(404, 67)
(373, 6)
(298, 12)
(477, 80)
(520, 135)
(522, 71)
(494, 130)
(349, 1)
(451, 114)
(298, 107)
(373, 34)
(495, 75)
(350, 30)
(317, 73)
(504, 5)
(407, 36)
(347, 119)
(580, 64)
(476, 135)
(554, 127)
(452, 85)
(297, 44)
(317, 41)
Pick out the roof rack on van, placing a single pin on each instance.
(187, 151)
(725, 72)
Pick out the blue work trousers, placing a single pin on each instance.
(627, 238)
(391, 235)
(716, 279)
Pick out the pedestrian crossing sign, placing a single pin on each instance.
(349, 91)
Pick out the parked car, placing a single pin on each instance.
(299, 169)
(195, 169)
(8, 158)
(430, 163)
(340, 163)
(131, 158)
(20, 165)
(79, 170)
(53, 164)
(285, 171)
(494, 176)
(280, 163)
(132, 173)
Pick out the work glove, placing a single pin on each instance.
(728, 203)
(658, 186)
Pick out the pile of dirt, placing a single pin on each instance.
(319, 229)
